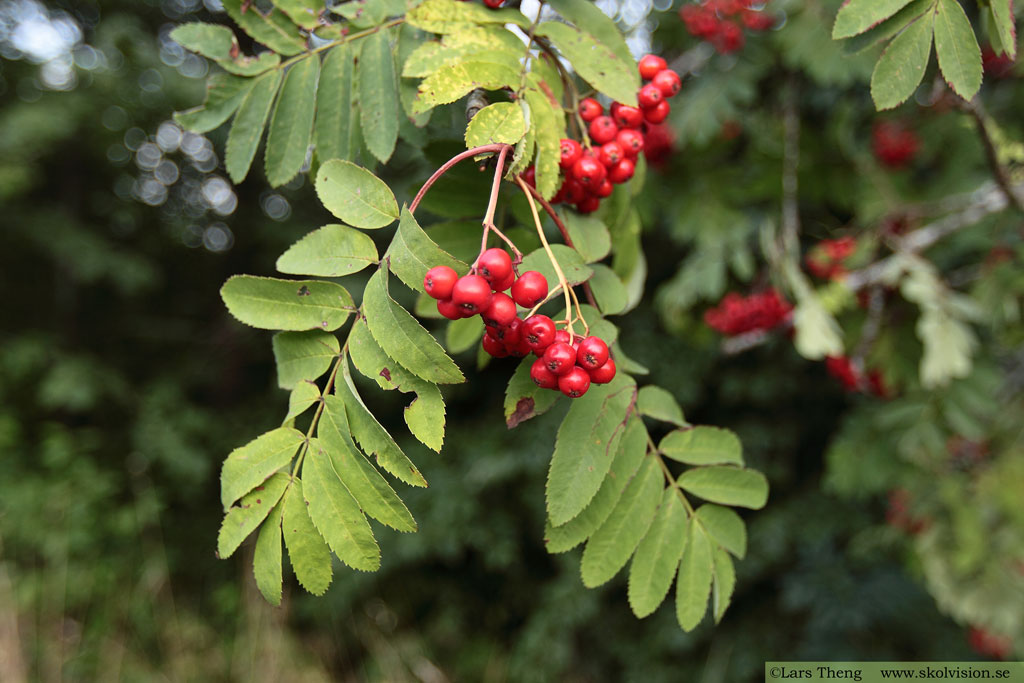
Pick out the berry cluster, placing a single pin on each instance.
(988, 644)
(853, 379)
(996, 65)
(567, 363)
(721, 22)
(827, 259)
(736, 314)
(618, 138)
(894, 144)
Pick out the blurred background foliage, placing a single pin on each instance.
(892, 527)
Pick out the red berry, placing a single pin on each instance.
(529, 176)
(494, 265)
(649, 96)
(544, 378)
(560, 358)
(605, 189)
(494, 4)
(603, 129)
(519, 349)
(438, 282)
(501, 312)
(628, 117)
(668, 82)
(507, 334)
(538, 332)
(622, 171)
(730, 38)
(604, 374)
(650, 65)
(589, 204)
(658, 113)
(448, 309)
(504, 284)
(570, 152)
(471, 294)
(562, 336)
(610, 154)
(574, 383)
(589, 172)
(494, 347)
(590, 109)
(530, 289)
(631, 141)
(592, 354)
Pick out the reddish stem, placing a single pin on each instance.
(498, 147)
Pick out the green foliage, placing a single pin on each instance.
(355, 195)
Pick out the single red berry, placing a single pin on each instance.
(504, 284)
(668, 82)
(560, 358)
(658, 113)
(574, 383)
(622, 171)
(494, 4)
(538, 331)
(589, 172)
(628, 117)
(501, 312)
(494, 265)
(592, 354)
(605, 189)
(603, 129)
(448, 309)
(507, 334)
(494, 347)
(610, 154)
(631, 141)
(519, 349)
(590, 109)
(589, 204)
(438, 282)
(542, 376)
(562, 336)
(649, 96)
(529, 176)
(471, 294)
(570, 151)
(530, 289)
(650, 65)
(604, 374)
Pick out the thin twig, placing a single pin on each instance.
(1002, 176)
(447, 165)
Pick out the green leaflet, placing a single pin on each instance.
(355, 195)
(523, 398)
(547, 123)
(305, 13)
(585, 446)
(452, 82)
(1002, 15)
(336, 514)
(888, 28)
(404, 339)
(450, 16)
(632, 448)
(250, 465)
(430, 56)
(378, 95)
(589, 18)
(703, 446)
(727, 485)
(608, 290)
(373, 493)
(303, 396)
(725, 527)
(463, 334)
(412, 253)
(272, 29)
(247, 128)
(243, 519)
(957, 49)
(272, 304)
(724, 581)
(303, 355)
(212, 41)
(331, 251)
(657, 557)
(251, 66)
(590, 236)
(857, 16)
(266, 559)
(291, 126)
(568, 258)
(901, 67)
(499, 122)
(307, 550)
(610, 547)
(373, 438)
(425, 415)
(596, 63)
(334, 112)
(224, 94)
(694, 581)
(658, 403)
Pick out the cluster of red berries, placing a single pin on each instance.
(737, 314)
(721, 22)
(988, 644)
(843, 369)
(893, 143)
(565, 363)
(996, 65)
(827, 259)
(618, 138)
